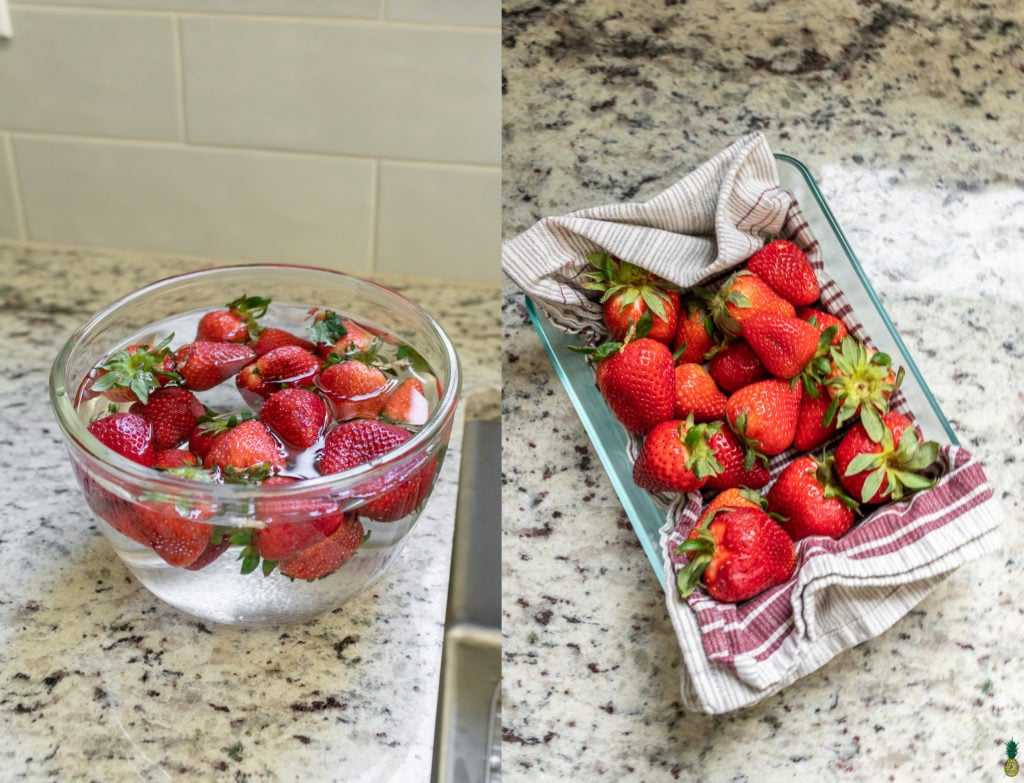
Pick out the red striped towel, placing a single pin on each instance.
(844, 591)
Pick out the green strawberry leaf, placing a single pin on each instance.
(873, 483)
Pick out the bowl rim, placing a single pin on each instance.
(148, 480)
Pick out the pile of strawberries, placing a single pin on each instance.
(310, 404)
(720, 379)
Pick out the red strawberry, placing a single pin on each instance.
(627, 293)
(169, 459)
(875, 467)
(271, 510)
(764, 414)
(735, 365)
(326, 556)
(697, 394)
(287, 366)
(783, 343)
(131, 373)
(173, 411)
(282, 540)
(271, 337)
(354, 389)
(407, 404)
(694, 333)
(247, 445)
(811, 501)
(128, 434)
(208, 555)
(811, 429)
(115, 511)
(734, 497)
(358, 441)
(674, 458)
(822, 321)
(202, 365)
(739, 553)
(860, 382)
(637, 381)
(741, 296)
(784, 266)
(236, 324)
(333, 334)
(297, 416)
(179, 540)
(739, 465)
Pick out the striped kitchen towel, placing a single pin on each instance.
(844, 591)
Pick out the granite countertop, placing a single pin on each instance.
(101, 681)
(909, 119)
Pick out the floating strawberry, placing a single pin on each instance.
(697, 394)
(271, 337)
(735, 365)
(741, 296)
(627, 293)
(331, 333)
(637, 381)
(297, 416)
(674, 457)
(132, 373)
(246, 449)
(325, 557)
(764, 414)
(695, 333)
(784, 266)
(284, 367)
(173, 411)
(354, 389)
(236, 324)
(407, 404)
(738, 553)
(785, 344)
(884, 468)
(739, 465)
(822, 321)
(128, 434)
(810, 500)
(171, 459)
(202, 365)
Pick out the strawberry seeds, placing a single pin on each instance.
(262, 394)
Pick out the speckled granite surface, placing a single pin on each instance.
(909, 118)
(100, 681)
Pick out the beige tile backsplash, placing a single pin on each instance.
(358, 134)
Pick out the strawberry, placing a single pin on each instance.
(876, 469)
(783, 343)
(738, 553)
(810, 500)
(674, 457)
(287, 366)
(741, 296)
(331, 333)
(271, 337)
(286, 539)
(811, 427)
(784, 266)
(734, 497)
(735, 365)
(627, 293)
(637, 381)
(860, 382)
(358, 441)
(354, 389)
(178, 539)
(764, 414)
(132, 373)
(208, 555)
(211, 425)
(246, 447)
(326, 556)
(128, 434)
(115, 511)
(271, 510)
(697, 394)
(235, 324)
(822, 321)
(739, 466)
(407, 404)
(296, 416)
(173, 411)
(168, 459)
(202, 365)
(695, 333)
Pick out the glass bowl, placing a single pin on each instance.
(214, 586)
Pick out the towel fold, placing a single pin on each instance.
(843, 591)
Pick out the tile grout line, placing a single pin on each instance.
(374, 214)
(179, 67)
(19, 209)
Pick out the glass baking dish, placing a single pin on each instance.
(609, 438)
